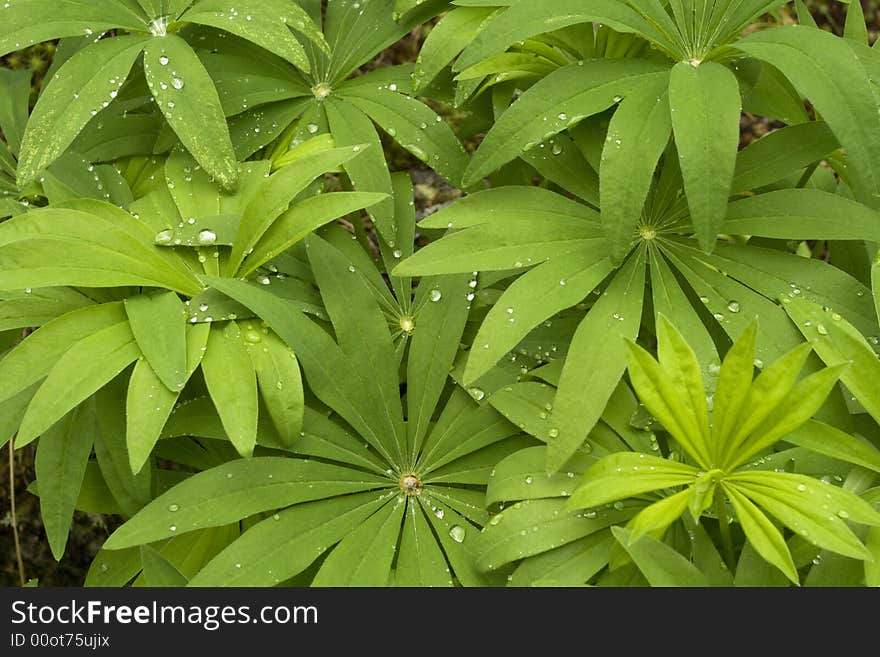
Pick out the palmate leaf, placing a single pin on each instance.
(97, 245)
(637, 136)
(705, 105)
(836, 341)
(598, 351)
(837, 84)
(428, 477)
(32, 359)
(232, 383)
(157, 323)
(62, 455)
(76, 93)
(188, 99)
(66, 18)
(150, 402)
(661, 564)
(561, 100)
(86, 367)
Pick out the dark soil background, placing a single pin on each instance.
(89, 531)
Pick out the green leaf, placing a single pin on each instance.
(504, 542)
(637, 136)
(435, 343)
(275, 550)
(421, 561)
(86, 367)
(597, 352)
(822, 68)
(762, 534)
(258, 21)
(364, 557)
(659, 563)
(158, 324)
(799, 214)
(368, 172)
(149, 402)
(279, 380)
(158, 572)
(188, 99)
(33, 358)
(706, 107)
(62, 455)
(34, 21)
(781, 153)
(363, 335)
(232, 383)
(535, 297)
(16, 86)
(93, 244)
(237, 490)
(131, 491)
(559, 101)
(449, 36)
(72, 97)
(415, 126)
(731, 394)
(303, 218)
(836, 341)
(830, 441)
(628, 474)
(276, 195)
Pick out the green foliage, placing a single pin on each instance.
(221, 320)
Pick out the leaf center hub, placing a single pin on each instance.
(322, 90)
(410, 484)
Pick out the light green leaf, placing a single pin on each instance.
(158, 324)
(836, 341)
(87, 366)
(232, 383)
(62, 455)
(72, 97)
(762, 534)
(303, 218)
(34, 357)
(706, 107)
(276, 195)
(660, 564)
(149, 402)
(628, 474)
(188, 99)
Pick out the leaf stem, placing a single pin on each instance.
(724, 527)
(14, 518)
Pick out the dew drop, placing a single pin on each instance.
(435, 295)
(456, 532)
